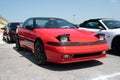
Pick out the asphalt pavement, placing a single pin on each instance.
(21, 65)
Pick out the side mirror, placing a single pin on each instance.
(101, 28)
(29, 27)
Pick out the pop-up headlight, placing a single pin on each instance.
(101, 36)
(64, 38)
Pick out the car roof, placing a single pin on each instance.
(44, 18)
(14, 22)
(97, 19)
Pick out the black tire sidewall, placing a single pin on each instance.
(17, 44)
(43, 56)
(7, 40)
(115, 44)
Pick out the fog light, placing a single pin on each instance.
(104, 52)
(66, 56)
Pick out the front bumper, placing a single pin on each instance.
(77, 53)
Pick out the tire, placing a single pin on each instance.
(116, 45)
(40, 53)
(18, 47)
(7, 40)
(3, 38)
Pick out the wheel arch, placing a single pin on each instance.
(113, 40)
(38, 39)
(43, 50)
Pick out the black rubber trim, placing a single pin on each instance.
(76, 43)
(86, 55)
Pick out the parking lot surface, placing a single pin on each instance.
(21, 65)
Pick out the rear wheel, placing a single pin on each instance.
(18, 47)
(7, 40)
(40, 53)
(3, 37)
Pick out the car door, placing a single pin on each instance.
(29, 33)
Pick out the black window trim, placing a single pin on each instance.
(27, 21)
(92, 21)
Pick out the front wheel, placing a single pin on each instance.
(116, 45)
(40, 53)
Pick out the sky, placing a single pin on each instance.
(75, 11)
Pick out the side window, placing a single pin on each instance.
(28, 23)
(93, 25)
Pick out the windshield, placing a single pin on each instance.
(112, 24)
(53, 23)
(13, 25)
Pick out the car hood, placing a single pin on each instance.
(76, 35)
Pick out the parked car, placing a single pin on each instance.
(57, 40)
(109, 27)
(10, 32)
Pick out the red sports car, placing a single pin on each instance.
(59, 41)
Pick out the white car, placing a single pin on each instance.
(109, 27)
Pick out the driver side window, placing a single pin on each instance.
(29, 23)
(93, 25)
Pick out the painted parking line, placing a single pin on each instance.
(107, 76)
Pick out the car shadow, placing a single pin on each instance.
(11, 42)
(72, 66)
(59, 67)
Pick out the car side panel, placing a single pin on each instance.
(30, 39)
(20, 33)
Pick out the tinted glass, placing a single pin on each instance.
(112, 24)
(53, 23)
(93, 25)
(29, 22)
(13, 25)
